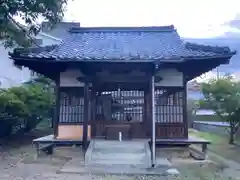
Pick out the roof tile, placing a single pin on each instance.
(126, 43)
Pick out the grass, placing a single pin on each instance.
(207, 118)
(220, 145)
(204, 171)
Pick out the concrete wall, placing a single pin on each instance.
(216, 128)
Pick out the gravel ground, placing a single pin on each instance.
(21, 164)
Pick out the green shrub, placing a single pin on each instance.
(23, 107)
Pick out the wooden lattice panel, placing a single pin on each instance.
(169, 106)
(71, 108)
(126, 105)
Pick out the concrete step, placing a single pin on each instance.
(107, 163)
(119, 157)
(103, 144)
(119, 150)
(109, 153)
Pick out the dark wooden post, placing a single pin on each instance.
(86, 116)
(93, 110)
(145, 120)
(57, 106)
(149, 108)
(185, 113)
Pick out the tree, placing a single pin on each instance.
(30, 11)
(192, 107)
(202, 104)
(23, 107)
(223, 96)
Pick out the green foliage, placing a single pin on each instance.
(223, 96)
(192, 106)
(203, 104)
(23, 107)
(30, 12)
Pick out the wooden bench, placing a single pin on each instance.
(47, 143)
(46, 148)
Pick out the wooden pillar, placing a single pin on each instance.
(86, 116)
(57, 107)
(153, 121)
(185, 113)
(145, 110)
(93, 110)
(148, 123)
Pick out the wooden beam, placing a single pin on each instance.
(86, 118)
(57, 106)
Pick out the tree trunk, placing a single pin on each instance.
(231, 138)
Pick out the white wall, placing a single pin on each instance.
(11, 75)
(47, 39)
(69, 78)
(170, 77)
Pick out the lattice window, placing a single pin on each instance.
(71, 108)
(169, 106)
(125, 105)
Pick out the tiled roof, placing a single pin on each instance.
(125, 43)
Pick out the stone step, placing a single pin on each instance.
(94, 158)
(119, 144)
(118, 156)
(121, 147)
(107, 163)
(119, 150)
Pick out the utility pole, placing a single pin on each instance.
(217, 73)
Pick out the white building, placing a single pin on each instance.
(10, 75)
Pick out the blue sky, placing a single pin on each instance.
(192, 18)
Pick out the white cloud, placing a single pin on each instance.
(193, 18)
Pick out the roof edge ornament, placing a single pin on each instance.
(208, 48)
(169, 28)
(22, 51)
